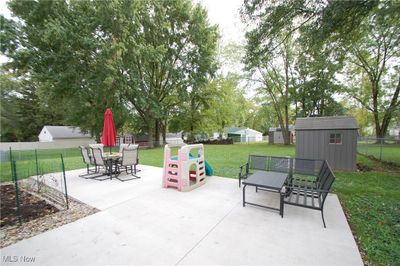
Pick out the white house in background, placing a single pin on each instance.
(64, 134)
(243, 134)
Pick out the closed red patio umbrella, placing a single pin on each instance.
(109, 132)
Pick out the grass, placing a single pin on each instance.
(388, 152)
(370, 199)
(49, 161)
(372, 202)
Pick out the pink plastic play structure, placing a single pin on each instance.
(185, 171)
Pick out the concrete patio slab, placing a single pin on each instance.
(141, 223)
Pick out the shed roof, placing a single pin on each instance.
(66, 132)
(326, 122)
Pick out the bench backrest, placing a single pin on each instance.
(325, 180)
(306, 166)
(280, 164)
(323, 175)
(258, 162)
(269, 163)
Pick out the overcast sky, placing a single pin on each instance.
(225, 13)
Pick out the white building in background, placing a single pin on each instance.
(64, 134)
(244, 134)
(395, 132)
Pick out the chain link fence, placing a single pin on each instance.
(383, 149)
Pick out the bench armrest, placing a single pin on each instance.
(243, 172)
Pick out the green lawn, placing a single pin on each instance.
(388, 152)
(371, 199)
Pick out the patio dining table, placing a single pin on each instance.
(112, 160)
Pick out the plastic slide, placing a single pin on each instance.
(209, 169)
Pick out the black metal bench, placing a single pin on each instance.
(309, 193)
(262, 163)
(308, 183)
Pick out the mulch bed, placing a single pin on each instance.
(31, 207)
(381, 166)
(38, 215)
(214, 141)
(363, 168)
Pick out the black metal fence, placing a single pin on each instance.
(383, 149)
(47, 177)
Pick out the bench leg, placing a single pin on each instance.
(281, 205)
(244, 195)
(323, 220)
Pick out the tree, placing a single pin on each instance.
(271, 70)
(228, 106)
(8, 109)
(375, 60)
(264, 115)
(365, 32)
(169, 47)
(61, 49)
(23, 114)
(314, 80)
(139, 56)
(190, 115)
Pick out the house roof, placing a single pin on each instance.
(326, 122)
(246, 130)
(240, 130)
(65, 132)
(233, 129)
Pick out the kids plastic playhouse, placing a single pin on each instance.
(187, 170)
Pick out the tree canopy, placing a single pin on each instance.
(358, 40)
(137, 57)
(159, 66)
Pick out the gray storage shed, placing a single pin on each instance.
(275, 135)
(332, 138)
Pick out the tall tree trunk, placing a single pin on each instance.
(394, 104)
(157, 132)
(221, 132)
(164, 132)
(322, 107)
(150, 137)
(285, 127)
(150, 132)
